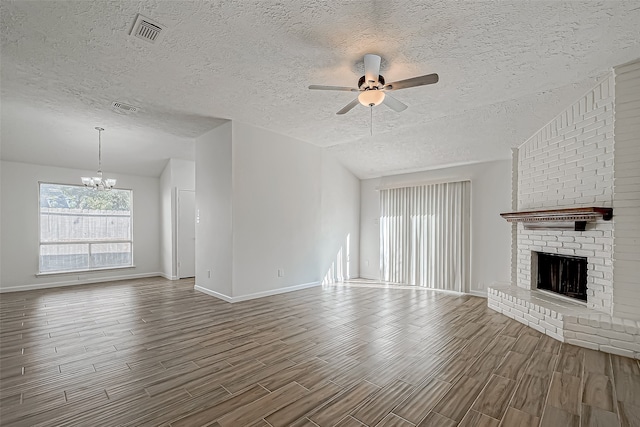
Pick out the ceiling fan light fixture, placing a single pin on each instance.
(370, 98)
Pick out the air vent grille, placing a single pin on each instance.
(147, 29)
(122, 108)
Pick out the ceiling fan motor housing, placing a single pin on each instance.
(362, 85)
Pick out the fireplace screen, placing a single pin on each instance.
(565, 275)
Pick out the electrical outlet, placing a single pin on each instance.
(366, 263)
(280, 272)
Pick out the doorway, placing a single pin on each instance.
(186, 234)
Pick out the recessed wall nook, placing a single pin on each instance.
(575, 222)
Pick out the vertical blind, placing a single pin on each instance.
(424, 235)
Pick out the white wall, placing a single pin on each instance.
(166, 224)
(287, 206)
(339, 246)
(626, 198)
(214, 235)
(276, 210)
(183, 174)
(0, 217)
(178, 174)
(19, 224)
(490, 234)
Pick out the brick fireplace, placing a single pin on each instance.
(571, 163)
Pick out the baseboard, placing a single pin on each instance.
(257, 294)
(168, 277)
(36, 286)
(478, 293)
(213, 293)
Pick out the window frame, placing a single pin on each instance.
(83, 270)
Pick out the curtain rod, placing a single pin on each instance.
(392, 186)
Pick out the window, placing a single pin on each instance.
(84, 229)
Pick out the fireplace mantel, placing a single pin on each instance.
(563, 219)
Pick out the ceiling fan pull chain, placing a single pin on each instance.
(371, 120)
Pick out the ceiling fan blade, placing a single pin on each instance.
(393, 103)
(348, 107)
(428, 79)
(371, 68)
(342, 88)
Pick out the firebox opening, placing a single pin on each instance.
(562, 274)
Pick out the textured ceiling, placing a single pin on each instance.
(506, 68)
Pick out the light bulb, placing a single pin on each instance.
(371, 97)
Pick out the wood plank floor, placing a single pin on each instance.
(156, 352)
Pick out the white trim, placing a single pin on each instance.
(213, 293)
(257, 294)
(92, 270)
(77, 282)
(168, 276)
(478, 293)
(130, 190)
(419, 183)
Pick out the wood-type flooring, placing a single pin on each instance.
(155, 352)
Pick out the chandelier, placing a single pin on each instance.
(97, 182)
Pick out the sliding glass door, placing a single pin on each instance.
(424, 235)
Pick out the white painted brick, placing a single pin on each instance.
(594, 322)
(554, 321)
(567, 163)
(548, 326)
(630, 326)
(521, 320)
(575, 327)
(592, 338)
(617, 325)
(530, 319)
(626, 345)
(535, 312)
(605, 324)
(518, 313)
(556, 336)
(537, 327)
(581, 343)
(616, 350)
(621, 336)
(510, 315)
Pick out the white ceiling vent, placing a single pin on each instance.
(147, 29)
(122, 108)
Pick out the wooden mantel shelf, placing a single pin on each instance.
(565, 218)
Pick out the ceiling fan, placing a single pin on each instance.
(373, 89)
